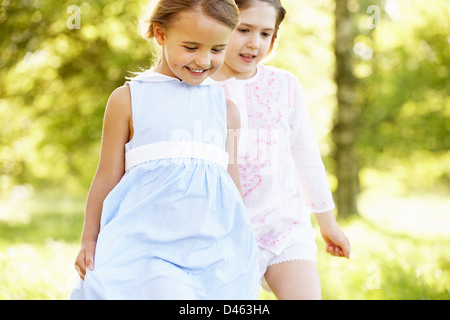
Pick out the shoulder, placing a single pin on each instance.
(216, 88)
(277, 71)
(287, 81)
(121, 95)
(119, 103)
(271, 71)
(233, 116)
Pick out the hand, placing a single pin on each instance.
(336, 241)
(85, 258)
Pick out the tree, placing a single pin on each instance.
(58, 64)
(346, 118)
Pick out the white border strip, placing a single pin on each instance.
(174, 150)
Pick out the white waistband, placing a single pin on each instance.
(172, 150)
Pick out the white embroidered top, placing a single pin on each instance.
(282, 174)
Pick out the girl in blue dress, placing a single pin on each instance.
(165, 217)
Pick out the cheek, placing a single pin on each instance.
(232, 54)
(269, 43)
(236, 43)
(176, 60)
(218, 60)
(265, 48)
(241, 46)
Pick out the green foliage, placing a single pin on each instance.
(403, 69)
(55, 84)
(56, 81)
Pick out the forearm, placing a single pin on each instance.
(326, 220)
(233, 171)
(232, 143)
(94, 205)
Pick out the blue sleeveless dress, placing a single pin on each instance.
(175, 226)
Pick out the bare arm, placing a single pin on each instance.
(335, 239)
(234, 126)
(111, 167)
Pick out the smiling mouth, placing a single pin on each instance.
(197, 72)
(247, 57)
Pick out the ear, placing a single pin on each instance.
(159, 34)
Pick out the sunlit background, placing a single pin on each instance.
(59, 62)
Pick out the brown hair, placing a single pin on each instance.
(281, 14)
(163, 13)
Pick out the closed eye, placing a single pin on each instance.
(218, 50)
(243, 30)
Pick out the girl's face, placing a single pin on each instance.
(251, 41)
(193, 46)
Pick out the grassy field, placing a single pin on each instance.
(400, 249)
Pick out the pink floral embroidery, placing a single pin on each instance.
(276, 241)
(320, 206)
(264, 115)
(249, 173)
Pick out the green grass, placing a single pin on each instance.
(399, 249)
(387, 265)
(39, 238)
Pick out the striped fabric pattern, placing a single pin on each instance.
(174, 227)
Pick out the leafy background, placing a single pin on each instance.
(55, 82)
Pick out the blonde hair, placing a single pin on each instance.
(163, 13)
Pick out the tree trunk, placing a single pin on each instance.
(345, 126)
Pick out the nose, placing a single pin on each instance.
(203, 60)
(253, 42)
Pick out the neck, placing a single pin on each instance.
(163, 68)
(225, 73)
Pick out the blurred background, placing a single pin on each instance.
(376, 79)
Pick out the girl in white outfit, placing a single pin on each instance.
(282, 174)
